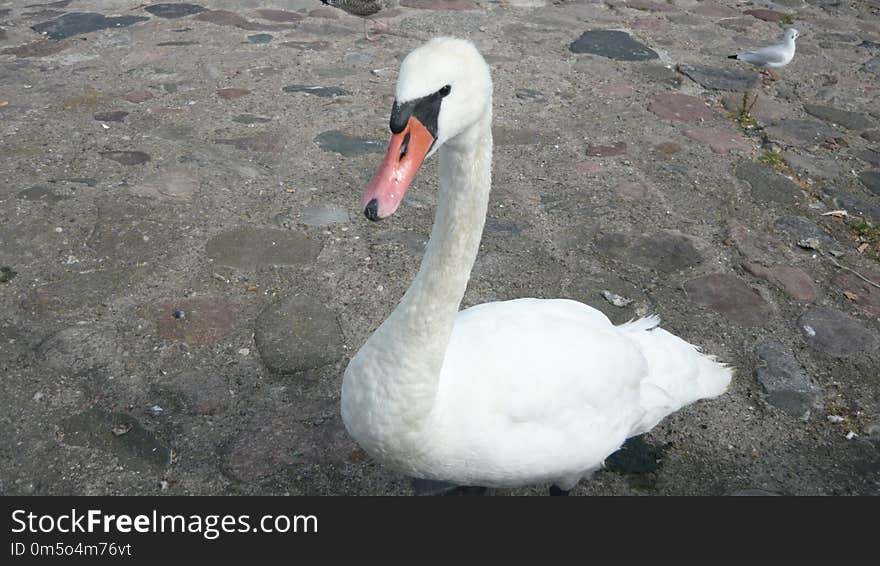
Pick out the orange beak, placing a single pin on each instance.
(406, 152)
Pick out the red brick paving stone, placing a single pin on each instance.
(864, 295)
(206, 320)
(667, 147)
(719, 141)
(730, 296)
(440, 4)
(756, 246)
(39, 48)
(675, 106)
(138, 96)
(793, 280)
(766, 15)
(617, 148)
(232, 93)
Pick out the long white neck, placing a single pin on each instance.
(397, 370)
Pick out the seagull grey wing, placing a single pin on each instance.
(764, 56)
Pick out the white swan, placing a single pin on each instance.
(505, 393)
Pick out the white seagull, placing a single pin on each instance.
(772, 56)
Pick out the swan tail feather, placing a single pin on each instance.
(679, 373)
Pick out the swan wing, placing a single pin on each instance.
(536, 389)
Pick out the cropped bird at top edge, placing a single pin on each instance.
(363, 9)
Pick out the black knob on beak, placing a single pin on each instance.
(372, 210)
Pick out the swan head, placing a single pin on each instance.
(791, 34)
(443, 90)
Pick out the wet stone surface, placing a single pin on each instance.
(298, 334)
(247, 248)
(113, 116)
(78, 23)
(347, 145)
(612, 44)
(119, 435)
(635, 457)
(7, 274)
(173, 11)
(784, 380)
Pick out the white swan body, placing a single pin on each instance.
(505, 393)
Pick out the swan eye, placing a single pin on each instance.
(445, 90)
